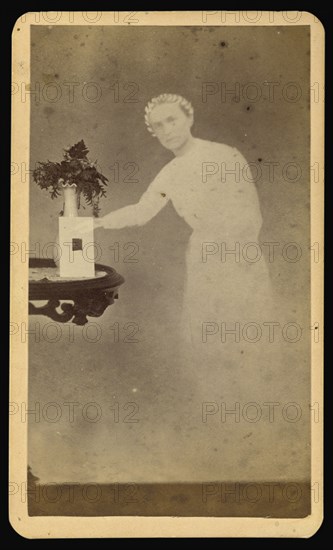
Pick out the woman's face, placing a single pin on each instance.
(171, 125)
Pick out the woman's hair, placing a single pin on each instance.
(166, 98)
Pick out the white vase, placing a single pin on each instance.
(70, 200)
(70, 210)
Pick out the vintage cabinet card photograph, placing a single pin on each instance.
(167, 274)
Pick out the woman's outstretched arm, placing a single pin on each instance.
(151, 202)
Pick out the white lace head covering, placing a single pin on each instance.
(166, 98)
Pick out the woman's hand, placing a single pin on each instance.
(98, 222)
(115, 220)
(107, 222)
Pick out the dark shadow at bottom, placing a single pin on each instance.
(207, 499)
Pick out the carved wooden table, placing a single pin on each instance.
(90, 297)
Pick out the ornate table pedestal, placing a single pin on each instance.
(89, 297)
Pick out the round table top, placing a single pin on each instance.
(44, 277)
(52, 275)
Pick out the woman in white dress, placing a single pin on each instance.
(211, 188)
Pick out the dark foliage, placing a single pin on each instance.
(75, 168)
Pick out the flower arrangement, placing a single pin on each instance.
(75, 169)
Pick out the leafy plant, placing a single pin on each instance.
(74, 168)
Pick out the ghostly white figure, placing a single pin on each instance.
(210, 186)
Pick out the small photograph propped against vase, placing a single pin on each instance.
(75, 177)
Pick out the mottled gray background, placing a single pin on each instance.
(164, 445)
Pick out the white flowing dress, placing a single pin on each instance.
(227, 280)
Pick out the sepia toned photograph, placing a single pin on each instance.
(167, 232)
